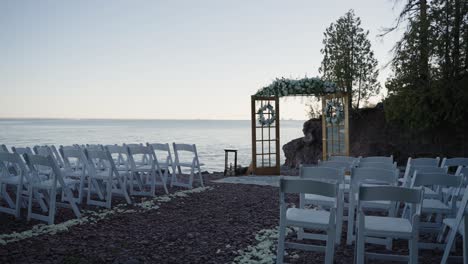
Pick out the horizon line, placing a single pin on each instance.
(136, 119)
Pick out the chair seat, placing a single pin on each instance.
(70, 173)
(48, 184)
(144, 167)
(428, 192)
(307, 218)
(103, 174)
(13, 180)
(435, 206)
(389, 225)
(183, 164)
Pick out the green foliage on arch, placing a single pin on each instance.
(303, 87)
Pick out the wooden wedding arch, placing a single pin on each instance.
(265, 118)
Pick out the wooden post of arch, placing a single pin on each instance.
(265, 138)
(335, 137)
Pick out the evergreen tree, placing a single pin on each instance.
(348, 59)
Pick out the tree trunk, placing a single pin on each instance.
(447, 67)
(456, 40)
(359, 90)
(424, 45)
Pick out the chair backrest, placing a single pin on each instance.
(373, 176)
(343, 158)
(322, 174)
(454, 162)
(36, 163)
(188, 148)
(412, 196)
(391, 193)
(410, 169)
(436, 179)
(94, 147)
(336, 164)
(161, 150)
(432, 162)
(22, 151)
(138, 154)
(377, 159)
(119, 155)
(308, 186)
(3, 148)
(73, 157)
(100, 160)
(14, 160)
(379, 165)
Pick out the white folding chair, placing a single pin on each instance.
(166, 163)
(436, 206)
(102, 169)
(326, 175)
(388, 226)
(456, 225)
(194, 165)
(306, 218)
(120, 156)
(384, 159)
(18, 182)
(49, 187)
(75, 168)
(369, 176)
(143, 170)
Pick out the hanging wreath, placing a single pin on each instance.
(262, 119)
(334, 112)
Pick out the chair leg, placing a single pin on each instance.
(413, 250)
(201, 178)
(360, 247)
(52, 207)
(280, 249)
(339, 223)
(350, 234)
(330, 247)
(19, 189)
(30, 200)
(109, 194)
(448, 247)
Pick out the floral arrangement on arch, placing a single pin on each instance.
(291, 87)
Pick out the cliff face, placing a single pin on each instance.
(371, 135)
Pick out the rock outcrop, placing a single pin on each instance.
(307, 149)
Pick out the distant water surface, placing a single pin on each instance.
(210, 136)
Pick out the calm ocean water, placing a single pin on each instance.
(210, 136)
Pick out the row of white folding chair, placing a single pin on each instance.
(369, 227)
(166, 165)
(31, 182)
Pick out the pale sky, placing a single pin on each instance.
(165, 59)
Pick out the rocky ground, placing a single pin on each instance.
(206, 227)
